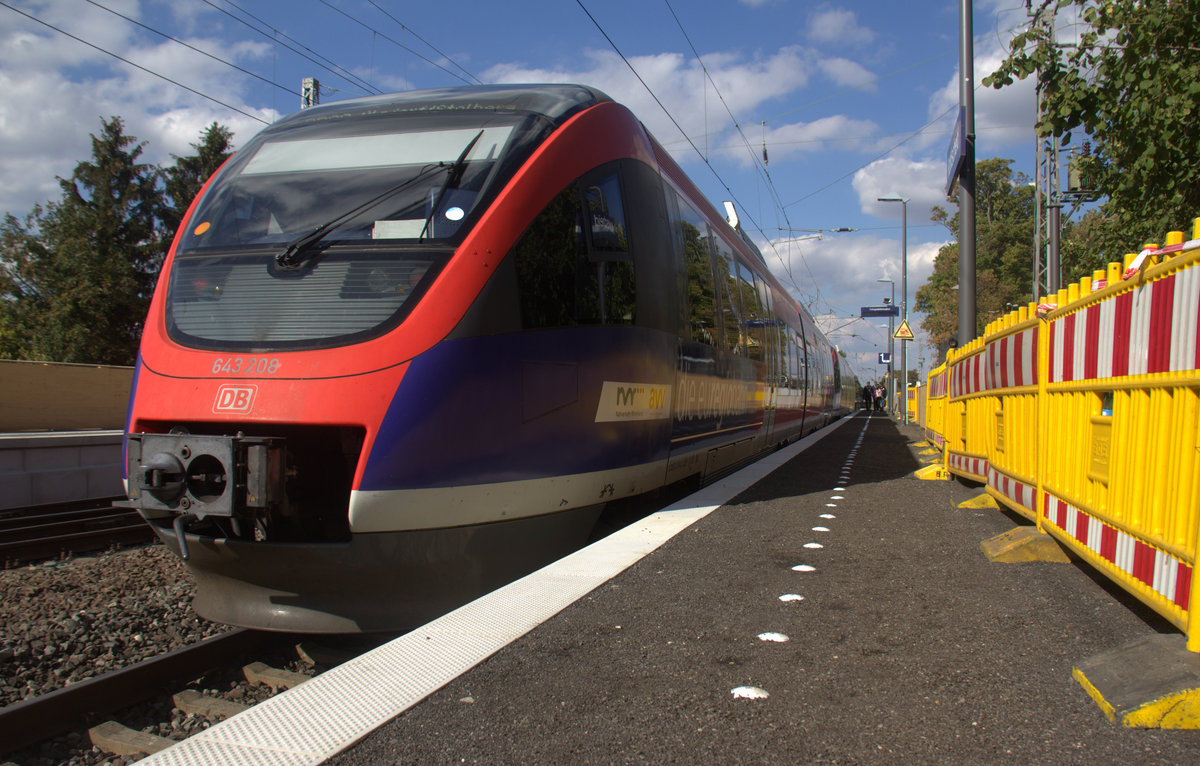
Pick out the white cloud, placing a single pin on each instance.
(847, 72)
(837, 25)
(821, 135)
(681, 85)
(922, 182)
(847, 268)
(1003, 118)
(75, 86)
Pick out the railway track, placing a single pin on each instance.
(89, 703)
(46, 532)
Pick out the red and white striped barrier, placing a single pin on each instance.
(1163, 573)
(1024, 495)
(1152, 328)
(1013, 359)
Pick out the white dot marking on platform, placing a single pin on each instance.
(813, 546)
(749, 693)
(791, 597)
(820, 529)
(828, 516)
(804, 568)
(775, 638)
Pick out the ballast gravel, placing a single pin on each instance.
(65, 621)
(69, 620)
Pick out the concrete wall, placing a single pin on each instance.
(60, 437)
(59, 467)
(38, 396)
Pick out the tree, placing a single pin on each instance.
(1133, 84)
(187, 176)
(78, 274)
(1004, 227)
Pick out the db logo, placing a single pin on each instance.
(235, 398)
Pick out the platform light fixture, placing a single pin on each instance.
(903, 296)
(891, 342)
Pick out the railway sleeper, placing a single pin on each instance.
(118, 739)
(213, 708)
(276, 678)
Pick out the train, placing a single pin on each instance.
(406, 348)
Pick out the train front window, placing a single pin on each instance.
(246, 301)
(329, 231)
(412, 185)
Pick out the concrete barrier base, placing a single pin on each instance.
(933, 473)
(1152, 683)
(981, 501)
(1023, 544)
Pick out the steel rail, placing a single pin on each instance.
(80, 704)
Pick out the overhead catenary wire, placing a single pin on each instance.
(760, 166)
(189, 46)
(397, 43)
(684, 133)
(133, 64)
(274, 34)
(428, 44)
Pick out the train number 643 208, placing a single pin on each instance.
(249, 365)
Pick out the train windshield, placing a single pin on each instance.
(380, 186)
(328, 232)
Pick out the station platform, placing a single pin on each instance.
(839, 610)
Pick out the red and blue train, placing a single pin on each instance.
(405, 348)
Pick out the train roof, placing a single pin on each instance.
(553, 101)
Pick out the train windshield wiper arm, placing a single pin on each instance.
(452, 179)
(293, 256)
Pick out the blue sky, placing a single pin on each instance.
(853, 100)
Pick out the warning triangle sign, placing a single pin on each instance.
(904, 332)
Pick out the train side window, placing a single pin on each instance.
(610, 274)
(701, 287)
(754, 314)
(607, 218)
(573, 263)
(731, 311)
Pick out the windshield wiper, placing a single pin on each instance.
(294, 255)
(452, 179)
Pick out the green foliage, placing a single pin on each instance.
(76, 275)
(187, 176)
(1004, 227)
(1132, 83)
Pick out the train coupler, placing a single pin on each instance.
(196, 475)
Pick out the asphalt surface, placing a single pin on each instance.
(908, 646)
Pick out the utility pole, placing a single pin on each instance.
(966, 178)
(310, 92)
(1047, 269)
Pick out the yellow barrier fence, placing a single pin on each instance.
(935, 407)
(1122, 416)
(1012, 371)
(1083, 414)
(968, 405)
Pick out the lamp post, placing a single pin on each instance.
(903, 296)
(891, 330)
